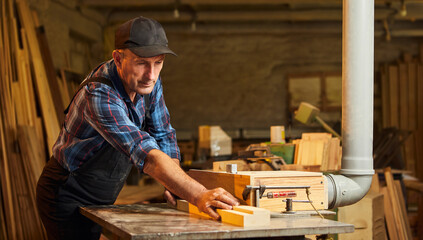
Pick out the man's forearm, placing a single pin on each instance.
(168, 172)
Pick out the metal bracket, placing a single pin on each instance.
(289, 202)
(260, 190)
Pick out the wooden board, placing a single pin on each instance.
(402, 225)
(419, 133)
(385, 96)
(243, 216)
(51, 122)
(403, 208)
(394, 95)
(242, 165)
(243, 219)
(412, 96)
(50, 73)
(403, 96)
(235, 184)
(389, 215)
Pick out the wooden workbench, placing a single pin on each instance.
(159, 221)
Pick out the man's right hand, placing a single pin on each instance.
(168, 172)
(209, 200)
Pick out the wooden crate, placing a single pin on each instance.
(367, 215)
(235, 184)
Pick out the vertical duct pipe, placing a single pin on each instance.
(357, 105)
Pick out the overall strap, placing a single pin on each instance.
(85, 82)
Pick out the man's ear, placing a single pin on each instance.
(117, 56)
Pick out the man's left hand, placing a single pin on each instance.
(170, 198)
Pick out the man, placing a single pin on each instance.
(118, 118)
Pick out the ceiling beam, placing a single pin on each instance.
(413, 14)
(143, 3)
(399, 30)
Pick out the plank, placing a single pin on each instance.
(403, 96)
(243, 216)
(385, 96)
(419, 153)
(396, 208)
(28, 86)
(403, 208)
(394, 95)
(185, 206)
(50, 72)
(243, 219)
(412, 96)
(389, 215)
(334, 154)
(410, 145)
(419, 133)
(7, 122)
(420, 96)
(51, 122)
(3, 233)
(220, 166)
(6, 183)
(316, 136)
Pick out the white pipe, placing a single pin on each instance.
(357, 105)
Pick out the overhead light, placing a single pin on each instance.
(403, 11)
(176, 13)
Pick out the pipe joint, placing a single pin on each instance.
(347, 190)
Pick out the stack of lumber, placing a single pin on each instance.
(29, 122)
(318, 149)
(396, 217)
(402, 106)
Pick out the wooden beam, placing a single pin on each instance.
(397, 208)
(389, 215)
(394, 95)
(140, 3)
(257, 15)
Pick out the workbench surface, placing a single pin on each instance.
(159, 221)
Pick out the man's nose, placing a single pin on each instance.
(149, 72)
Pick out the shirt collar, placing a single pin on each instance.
(117, 83)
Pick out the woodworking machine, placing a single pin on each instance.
(281, 192)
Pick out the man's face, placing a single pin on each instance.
(139, 75)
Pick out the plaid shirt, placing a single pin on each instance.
(99, 113)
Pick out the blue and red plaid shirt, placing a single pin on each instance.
(99, 113)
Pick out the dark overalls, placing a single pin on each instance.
(60, 193)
